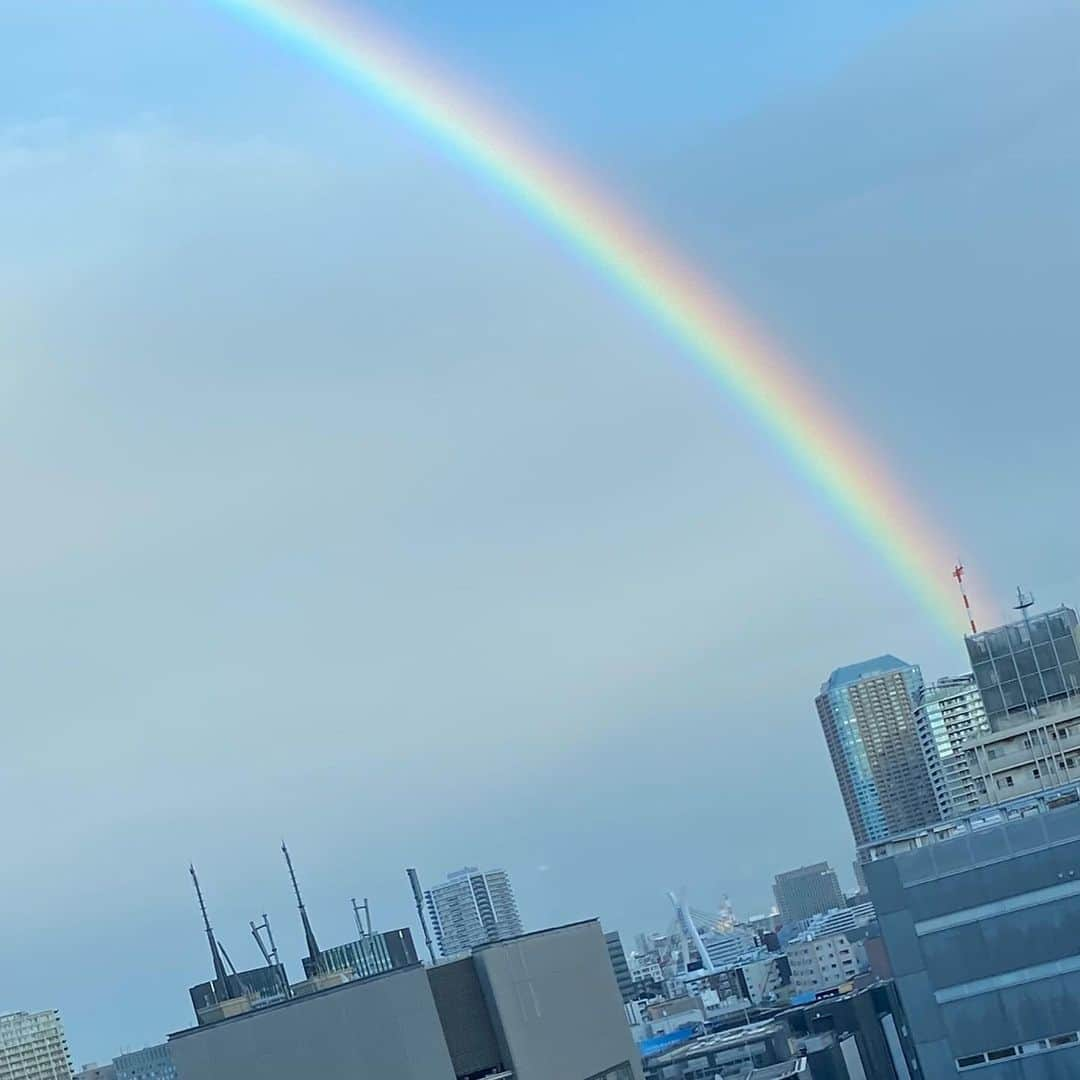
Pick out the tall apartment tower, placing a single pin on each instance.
(949, 713)
(472, 908)
(810, 890)
(866, 713)
(33, 1046)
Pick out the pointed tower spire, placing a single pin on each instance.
(314, 955)
(220, 974)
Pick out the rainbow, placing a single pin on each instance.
(719, 338)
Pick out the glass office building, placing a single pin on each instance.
(1026, 663)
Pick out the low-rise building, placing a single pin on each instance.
(818, 963)
(675, 1014)
(857, 1034)
(723, 1054)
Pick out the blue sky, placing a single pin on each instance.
(342, 505)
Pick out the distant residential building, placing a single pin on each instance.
(725, 949)
(676, 1014)
(1026, 664)
(949, 713)
(620, 966)
(980, 916)
(472, 908)
(830, 948)
(866, 713)
(541, 1006)
(33, 1046)
(807, 891)
(819, 963)
(153, 1063)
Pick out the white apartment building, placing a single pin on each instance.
(33, 1046)
(472, 908)
(830, 949)
(820, 963)
(948, 714)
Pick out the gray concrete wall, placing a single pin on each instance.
(556, 1005)
(463, 1010)
(386, 1028)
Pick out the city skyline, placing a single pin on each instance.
(345, 505)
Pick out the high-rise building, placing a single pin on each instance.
(948, 714)
(1026, 663)
(33, 1047)
(807, 891)
(866, 715)
(472, 908)
(980, 917)
(153, 1063)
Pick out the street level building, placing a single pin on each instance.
(541, 1006)
(472, 908)
(807, 891)
(980, 916)
(33, 1046)
(949, 713)
(866, 713)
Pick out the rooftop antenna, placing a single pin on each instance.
(220, 974)
(314, 955)
(1023, 602)
(269, 950)
(958, 573)
(365, 907)
(418, 896)
(228, 958)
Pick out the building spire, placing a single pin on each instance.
(220, 974)
(314, 954)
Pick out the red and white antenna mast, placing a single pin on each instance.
(958, 573)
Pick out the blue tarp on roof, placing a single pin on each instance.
(659, 1043)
